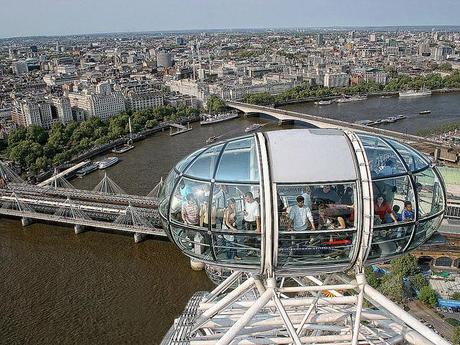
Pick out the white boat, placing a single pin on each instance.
(254, 127)
(347, 99)
(210, 119)
(122, 149)
(424, 112)
(365, 122)
(86, 170)
(109, 161)
(415, 93)
(392, 119)
(323, 102)
(212, 139)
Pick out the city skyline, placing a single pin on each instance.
(63, 17)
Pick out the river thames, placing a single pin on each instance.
(100, 288)
(445, 109)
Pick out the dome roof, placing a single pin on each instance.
(303, 200)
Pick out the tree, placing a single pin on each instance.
(16, 136)
(262, 98)
(37, 134)
(447, 67)
(392, 286)
(456, 296)
(456, 338)
(418, 281)
(215, 104)
(151, 123)
(372, 278)
(405, 265)
(428, 296)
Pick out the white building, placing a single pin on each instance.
(143, 100)
(61, 109)
(104, 104)
(66, 69)
(32, 112)
(336, 79)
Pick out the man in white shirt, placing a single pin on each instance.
(251, 213)
(299, 215)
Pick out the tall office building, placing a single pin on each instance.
(20, 67)
(319, 39)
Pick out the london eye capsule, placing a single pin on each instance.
(302, 201)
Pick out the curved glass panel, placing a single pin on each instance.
(236, 225)
(192, 242)
(184, 162)
(383, 161)
(424, 231)
(390, 241)
(239, 162)
(393, 201)
(316, 224)
(190, 202)
(429, 192)
(203, 167)
(414, 160)
(165, 192)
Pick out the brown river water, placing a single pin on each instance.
(102, 288)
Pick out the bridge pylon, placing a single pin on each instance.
(59, 182)
(155, 192)
(108, 186)
(14, 203)
(8, 175)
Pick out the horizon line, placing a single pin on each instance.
(166, 31)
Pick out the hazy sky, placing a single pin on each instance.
(51, 17)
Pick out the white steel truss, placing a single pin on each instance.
(338, 310)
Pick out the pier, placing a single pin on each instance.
(179, 128)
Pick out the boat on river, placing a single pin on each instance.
(365, 122)
(323, 102)
(254, 127)
(424, 112)
(85, 170)
(211, 119)
(109, 161)
(415, 93)
(123, 148)
(212, 139)
(347, 99)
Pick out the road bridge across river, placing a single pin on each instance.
(421, 143)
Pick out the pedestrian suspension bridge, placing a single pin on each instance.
(107, 206)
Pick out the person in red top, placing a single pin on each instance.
(381, 207)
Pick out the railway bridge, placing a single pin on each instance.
(105, 207)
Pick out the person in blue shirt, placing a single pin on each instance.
(407, 214)
(300, 215)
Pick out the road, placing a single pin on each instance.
(422, 312)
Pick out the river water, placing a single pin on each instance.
(444, 108)
(100, 288)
